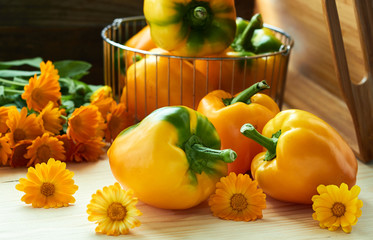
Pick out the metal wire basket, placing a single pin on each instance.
(162, 80)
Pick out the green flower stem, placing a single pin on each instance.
(13, 83)
(245, 95)
(64, 117)
(8, 90)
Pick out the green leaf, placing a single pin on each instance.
(17, 73)
(1, 90)
(72, 69)
(33, 62)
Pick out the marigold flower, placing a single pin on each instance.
(337, 207)
(51, 119)
(90, 150)
(68, 145)
(22, 126)
(114, 210)
(43, 89)
(5, 150)
(3, 117)
(48, 185)
(117, 120)
(17, 159)
(85, 123)
(43, 148)
(103, 99)
(237, 198)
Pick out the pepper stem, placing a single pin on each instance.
(269, 143)
(200, 13)
(199, 16)
(202, 158)
(244, 40)
(246, 94)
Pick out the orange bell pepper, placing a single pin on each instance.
(158, 81)
(141, 40)
(303, 152)
(228, 114)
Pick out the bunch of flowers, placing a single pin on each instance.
(50, 116)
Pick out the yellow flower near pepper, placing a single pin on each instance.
(237, 197)
(337, 207)
(48, 185)
(113, 208)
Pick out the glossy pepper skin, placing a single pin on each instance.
(141, 40)
(158, 81)
(191, 28)
(171, 159)
(248, 106)
(303, 152)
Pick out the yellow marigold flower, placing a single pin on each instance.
(85, 123)
(101, 93)
(5, 151)
(117, 120)
(113, 208)
(43, 89)
(103, 99)
(51, 119)
(48, 185)
(337, 207)
(22, 126)
(3, 117)
(237, 198)
(90, 150)
(43, 148)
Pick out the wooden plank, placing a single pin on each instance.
(280, 220)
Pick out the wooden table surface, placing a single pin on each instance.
(280, 220)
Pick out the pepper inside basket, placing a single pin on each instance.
(159, 80)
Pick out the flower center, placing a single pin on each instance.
(238, 202)
(47, 189)
(19, 134)
(43, 153)
(116, 211)
(338, 209)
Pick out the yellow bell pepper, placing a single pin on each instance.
(191, 28)
(171, 159)
(303, 152)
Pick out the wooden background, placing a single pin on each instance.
(70, 29)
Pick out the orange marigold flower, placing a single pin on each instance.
(18, 159)
(22, 126)
(69, 146)
(51, 119)
(85, 123)
(117, 120)
(89, 151)
(43, 148)
(3, 117)
(42, 89)
(5, 151)
(48, 69)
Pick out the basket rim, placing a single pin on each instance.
(284, 50)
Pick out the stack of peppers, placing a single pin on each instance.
(175, 155)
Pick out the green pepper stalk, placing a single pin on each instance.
(243, 40)
(270, 144)
(246, 94)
